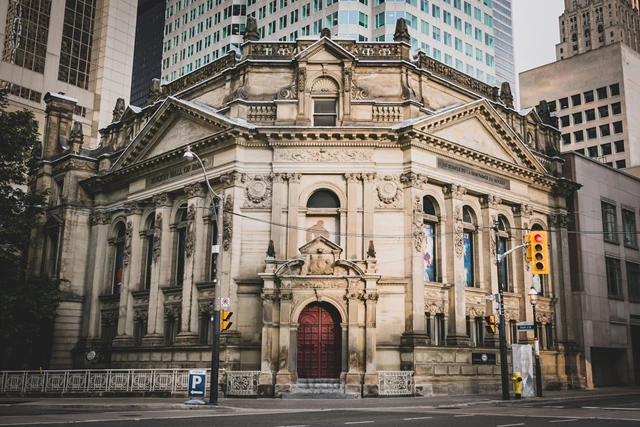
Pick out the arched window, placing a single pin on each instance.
(52, 246)
(325, 102)
(468, 244)
(148, 250)
(503, 246)
(118, 266)
(430, 243)
(323, 217)
(181, 228)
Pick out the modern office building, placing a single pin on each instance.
(605, 270)
(459, 33)
(595, 96)
(147, 54)
(586, 25)
(82, 48)
(503, 42)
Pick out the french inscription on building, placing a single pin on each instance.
(474, 174)
(177, 171)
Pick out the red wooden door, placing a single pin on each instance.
(318, 345)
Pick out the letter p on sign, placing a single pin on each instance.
(197, 383)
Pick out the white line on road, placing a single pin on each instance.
(554, 407)
(465, 415)
(417, 418)
(360, 422)
(621, 409)
(563, 421)
(510, 425)
(299, 425)
(590, 407)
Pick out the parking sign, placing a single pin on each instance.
(197, 383)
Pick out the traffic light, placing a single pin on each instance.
(491, 324)
(539, 252)
(224, 320)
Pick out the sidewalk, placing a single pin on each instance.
(235, 404)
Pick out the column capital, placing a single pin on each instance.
(412, 179)
(352, 178)
(560, 220)
(454, 190)
(489, 201)
(100, 218)
(194, 190)
(523, 209)
(132, 207)
(369, 177)
(231, 179)
(162, 200)
(294, 178)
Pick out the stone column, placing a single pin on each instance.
(416, 331)
(457, 323)
(194, 235)
(159, 271)
(561, 279)
(352, 251)
(278, 202)
(266, 376)
(100, 221)
(371, 371)
(487, 248)
(522, 269)
(353, 382)
(284, 377)
(292, 221)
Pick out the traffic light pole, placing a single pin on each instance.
(504, 366)
(215, 321)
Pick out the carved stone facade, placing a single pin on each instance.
(364, 224)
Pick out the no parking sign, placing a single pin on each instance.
(197, 383)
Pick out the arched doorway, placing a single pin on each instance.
(319, 342)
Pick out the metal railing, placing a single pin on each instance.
(119, 380)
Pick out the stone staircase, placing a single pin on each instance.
(318, 388)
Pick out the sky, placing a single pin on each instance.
(535, 23)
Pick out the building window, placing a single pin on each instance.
(575, 100)
(609, 222)
(149, 240)
(615, 108)
(139, 330)
(323, 217)
(591, 133)
(621, 164)
(181, 244)
(615, 89)
(51, 263)
(590, 114)
(588, 96)
(577, 118)
(77, 40)
(602, 92)
(605, 130)
(619, 146)
(617, 127)
(633, 280)
(606, 149)
(325, 112)
(26, 34)
(430, 242)
(564, 121)
(603, 111)
(629, 227)
(118, 264)
(171, 325)
(552, 106)
(468, 244)
(593, 151)
(566, 139)
(578, 136)
(614, 279)
(564, 103)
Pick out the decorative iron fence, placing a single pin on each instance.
(395, 383)
(119, 380)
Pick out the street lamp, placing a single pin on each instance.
(533, 299)
(215, 321)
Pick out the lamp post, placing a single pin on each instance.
(215, 321)
(533, 299)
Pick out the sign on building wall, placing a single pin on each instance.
(473, 173)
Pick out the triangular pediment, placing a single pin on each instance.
(174, 125)
(478, 127)
(324, 51)
(320, 245)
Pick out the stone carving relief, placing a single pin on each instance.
(524, 209)
(490, 201)
(109, 316)
(458, 230)
(132, 207)
(191, 232)
(100, 217)
(323, 155)
(227, 221)
(320, 265)
(157, 237)
(352, 178)
(194, 190)
(233, 179)
(128, 234)
(172, 310)
(389, 192)
(417, 226)
(162, 200)
(414, 180)
(558, 220)
(454, 190)
(205, 307)
(140, 314)
(258, 192)
(324, 85)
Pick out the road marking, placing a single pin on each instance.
(360, 422)
(590, 407)
(621, 409)
(465, 415)
(554, 407)
(417, 418)
(299, 425)
(510, 425)
(563, 421)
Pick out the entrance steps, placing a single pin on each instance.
(318, 388)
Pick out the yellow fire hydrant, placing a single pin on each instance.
(517, 385)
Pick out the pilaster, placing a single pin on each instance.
(278, 201)
(561, 279)
(292, 217)
(353, 379)
(100, 223)
(353, 182)
(266, 376)
(368, 204)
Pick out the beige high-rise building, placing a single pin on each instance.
(586, 25)
(80, 48)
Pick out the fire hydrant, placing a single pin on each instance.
(517, 385)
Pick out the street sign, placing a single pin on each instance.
(490, 297)
(197, 383)
(483, 359)
(525, 326)
(225, 302)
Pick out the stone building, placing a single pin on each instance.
(370, 178)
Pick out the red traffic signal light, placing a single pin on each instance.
(538, 252)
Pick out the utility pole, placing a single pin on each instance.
(504, 366)
(215, 320)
